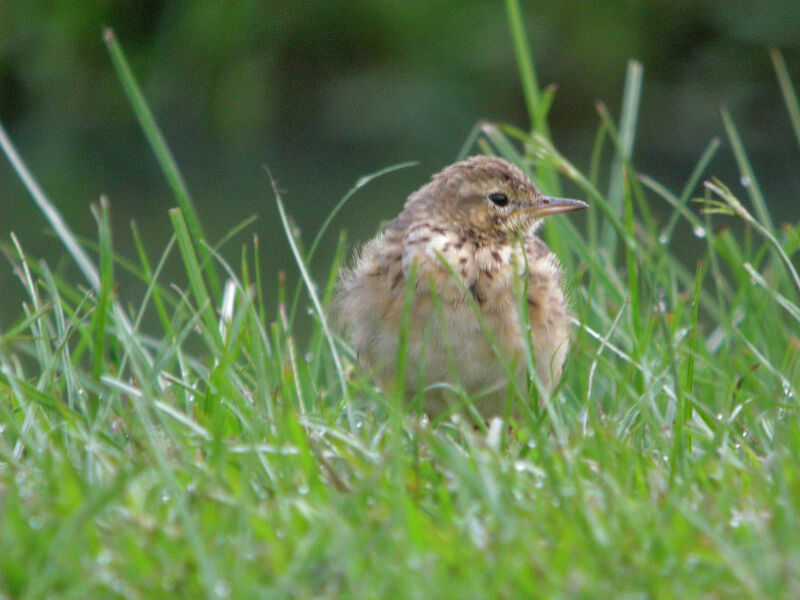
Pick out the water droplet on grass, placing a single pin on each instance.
(222, 589)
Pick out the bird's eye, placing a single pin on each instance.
(499, 198)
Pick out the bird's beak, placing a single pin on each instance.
(553, 206)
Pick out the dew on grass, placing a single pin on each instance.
(415, 563)
(660, 306)
(477, 530)
(699, 232)
(120, 589)
(222, 588)
(745, 181)
(662, 239)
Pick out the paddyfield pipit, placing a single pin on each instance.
(463, 247)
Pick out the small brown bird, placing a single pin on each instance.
(467, 239)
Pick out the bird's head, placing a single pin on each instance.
(486, 197)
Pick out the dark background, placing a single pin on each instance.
(325, 92)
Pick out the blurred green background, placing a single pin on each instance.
(325, 92)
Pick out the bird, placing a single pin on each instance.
(450, 276)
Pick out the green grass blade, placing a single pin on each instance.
(151, 278)
(748, 176)
(693, 335)
(505, 148)
(592, 228)
(195, 273)
(680, 204)
(313, 296)
(522, 52)
(104, 296)
(162, 152)
(730, 204)
(537, 113)
(788, 91)
(50, 211)
(61, 228)
(628, 118)
(469, 142)
(362, 182)
(633, 283)
(779, 298)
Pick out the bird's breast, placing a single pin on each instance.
(453, 264)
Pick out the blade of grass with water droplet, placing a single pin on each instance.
(748, 176)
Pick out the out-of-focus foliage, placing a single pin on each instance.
(324, 92)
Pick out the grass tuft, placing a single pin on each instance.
(226, 457)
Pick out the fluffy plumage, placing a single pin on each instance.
(468, 239)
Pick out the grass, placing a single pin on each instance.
(221, 456)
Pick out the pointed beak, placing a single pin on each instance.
(553, 206)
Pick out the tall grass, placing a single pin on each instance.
(221, 456)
